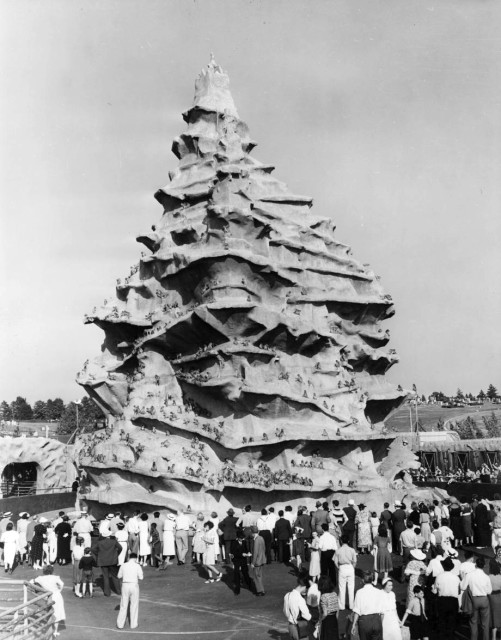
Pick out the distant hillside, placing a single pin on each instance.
(429, 415)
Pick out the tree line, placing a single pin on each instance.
(468, 429)
(491, 393)
(53, 411)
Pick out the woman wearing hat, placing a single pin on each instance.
(168, 540)
(364, 537)
(22, 527)
(416, 570)
(63, 532)
(9, 539)
(39, 537)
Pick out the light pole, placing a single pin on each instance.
(77, 404)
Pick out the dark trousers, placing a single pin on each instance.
(447, 617)
(241, 570)
(480, 610)
(266, 535)
(283, 551)
(351, 535)
(227, 545)
(110, 574)
(327, 567)
(370, 627)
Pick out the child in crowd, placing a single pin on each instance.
(76, 556)
(86, 563)
(415, 612)
(419, 538)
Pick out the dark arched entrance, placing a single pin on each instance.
(19, 479)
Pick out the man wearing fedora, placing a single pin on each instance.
(229, 528)
(258, 560)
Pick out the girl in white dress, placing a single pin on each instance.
(144, 536)
(198, 539)
(209, 559)
(10, 540)
(314, 569)
(54, 584)
(51, 544)
(76, 555)
(214, 518)
(391, 621)
(22, 544)
(122, 538)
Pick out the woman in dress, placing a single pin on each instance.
(53, 583)
(168, 540)
(144, 536)
(456, 522)
(362, 521)
(382, 556)
(328, 610)
(77, 554)
(10, 539)
(63, 532)
(22, 543)
(50, 546)
(156, 546)
(314, 568)
(391, 621)
(466, 522)
(122, 538)
(209, 558)
(416, 570)
(424, 522)
(198, 548)
(39, 537)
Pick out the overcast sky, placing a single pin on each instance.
(387, 113)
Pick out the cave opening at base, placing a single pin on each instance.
(19, 478)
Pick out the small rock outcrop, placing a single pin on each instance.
(244, 355)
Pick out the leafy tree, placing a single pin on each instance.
(492, 426)
(21, 410)
(39, 409)
(54, 409)
(439, 396)
(423, 398)
(481, 395)
(459, 393)
(88, 415)
(440, 425)
(492, 392)
(5, 411)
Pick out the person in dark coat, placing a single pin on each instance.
(229, 528)
(482, 526)
(105, 552)
(283, 535)
(304, 521)
(63, 533)
(39, 537)
(399, 519)
(414, 515)
(349, 527)
(239, 553)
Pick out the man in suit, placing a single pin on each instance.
(239, 552)
(258, 560)
(229, 528)
(399, 518)
(283, 534)
(105, 552)
(349, 526)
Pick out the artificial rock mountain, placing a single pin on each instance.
(244, 356)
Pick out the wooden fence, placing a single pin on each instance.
(26, 611)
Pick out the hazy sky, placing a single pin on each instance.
(387, 113)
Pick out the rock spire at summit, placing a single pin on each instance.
(244, 352)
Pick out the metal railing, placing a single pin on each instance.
(32, 617)
(19, 489)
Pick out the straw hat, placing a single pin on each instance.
(417, 554)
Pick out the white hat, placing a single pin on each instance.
(7, 514)
(42, 520)
(418, 554)
(110, 516)
(351, 502)
(24, 513)
(171, 516)
(397, 503)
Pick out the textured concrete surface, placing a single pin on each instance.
(244, 354)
